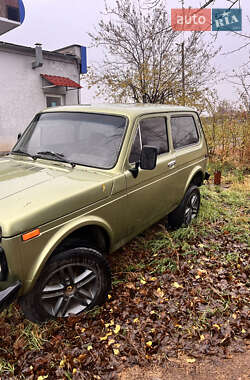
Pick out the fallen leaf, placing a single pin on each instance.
(62, 363)
(216, 326)
(190, 360)
(117, 329)
(176, 285)
(82, 357)
(130, 285)
(153, 279)
(159, 293)
(103, 338)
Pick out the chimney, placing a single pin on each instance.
(39, 57)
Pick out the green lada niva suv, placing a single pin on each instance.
(82, 181)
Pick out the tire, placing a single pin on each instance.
(71, 282)
(187, 210)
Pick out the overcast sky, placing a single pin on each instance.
(58, 23)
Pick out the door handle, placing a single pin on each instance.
(171, 164)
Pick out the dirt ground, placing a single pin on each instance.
(235, 368)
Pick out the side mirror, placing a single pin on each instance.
(19, 136)
(148, 157)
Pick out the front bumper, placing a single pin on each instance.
(9, 293)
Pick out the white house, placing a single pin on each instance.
(32, 79)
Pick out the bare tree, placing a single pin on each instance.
(205, 4)
(143, 59)
(240, 77)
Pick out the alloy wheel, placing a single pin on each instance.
(69, 290)
(192, 209)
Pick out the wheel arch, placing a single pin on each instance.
(196, 177)
(88, 230)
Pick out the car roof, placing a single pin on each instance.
(129, 110)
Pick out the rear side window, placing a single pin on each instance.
(184, 131)
(152, 131)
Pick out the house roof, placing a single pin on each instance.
(60, 81)
(30, 51)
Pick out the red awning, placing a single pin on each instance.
(60, 81)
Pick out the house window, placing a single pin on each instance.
(53, 101)
(13, 13)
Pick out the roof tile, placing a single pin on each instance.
(60, 81)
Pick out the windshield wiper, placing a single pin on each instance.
(19, 151)
(60, 156)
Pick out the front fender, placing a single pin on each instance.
(54, 237)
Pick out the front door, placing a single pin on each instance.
(150, 195)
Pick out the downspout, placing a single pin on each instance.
(79, 95)
(39, 57)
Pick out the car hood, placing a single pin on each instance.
(34, 193)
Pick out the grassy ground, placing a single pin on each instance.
(177, 295)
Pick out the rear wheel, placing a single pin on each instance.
(72, 282)
(187, 210)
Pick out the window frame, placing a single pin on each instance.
(173, 116)
(138, 128)
(30, 128)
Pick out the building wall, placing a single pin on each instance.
(21, 93)
(4, 4)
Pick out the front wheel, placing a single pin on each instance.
(71, 282)
(187, 210)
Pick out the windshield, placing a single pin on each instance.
(82, 138)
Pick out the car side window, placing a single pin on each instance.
(151, 131)
(184, 131)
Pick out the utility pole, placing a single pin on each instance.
(183, 61)
(183, 74)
